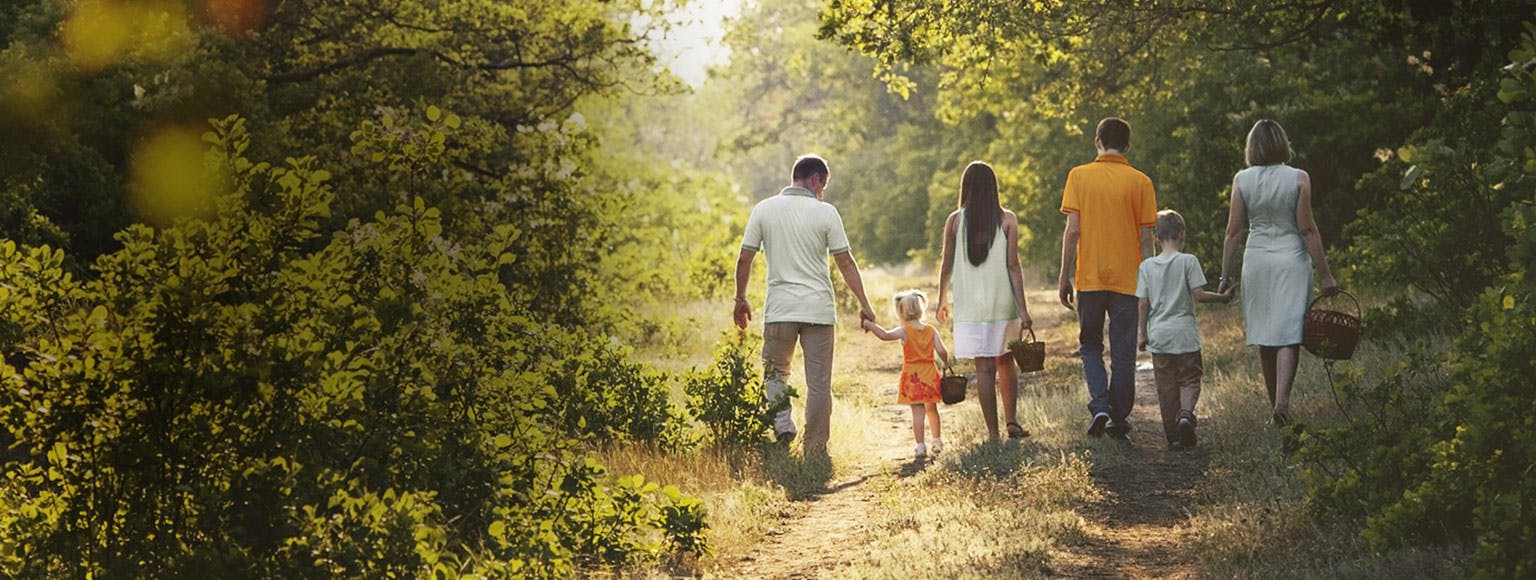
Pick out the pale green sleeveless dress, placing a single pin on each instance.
(985, 307)
(1277, 271)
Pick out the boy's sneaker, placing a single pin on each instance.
(1187, 429)
(1119, 430)
(1096, 426)
(938, 445)
(920, 451)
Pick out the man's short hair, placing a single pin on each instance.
(808, 165)
(1114, 133)
(1170, 225)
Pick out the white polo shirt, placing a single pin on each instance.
(796, 232)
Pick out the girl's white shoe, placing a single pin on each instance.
(938, 445)
(921, 451)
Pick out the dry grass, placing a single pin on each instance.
(1252, 522)
(1012, 510)
(954, 520)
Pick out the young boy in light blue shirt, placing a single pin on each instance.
(1168, 285)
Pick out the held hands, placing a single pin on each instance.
(1226, 295)
(866, 317)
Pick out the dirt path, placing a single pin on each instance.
(1135, 530)
(838, 514)
(1139, 527)
(798, 547)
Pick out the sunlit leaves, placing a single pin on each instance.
(314, 406)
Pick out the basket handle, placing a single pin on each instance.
(1031, 335)
(1341, 292)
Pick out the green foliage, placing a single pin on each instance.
(1454, 465)
(791, 94)
(307, 73)
(383, 356)
(248, 395)
(609, 398)
(1437, 234)
(1029, 80)
(728, 397)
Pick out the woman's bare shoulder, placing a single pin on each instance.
(954, 216)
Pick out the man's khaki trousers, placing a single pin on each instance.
(816, 341)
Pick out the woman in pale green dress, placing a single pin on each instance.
(1272, 205)
(981, 254)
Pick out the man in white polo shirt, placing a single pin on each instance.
(798, 231)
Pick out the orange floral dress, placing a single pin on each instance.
(919, 374)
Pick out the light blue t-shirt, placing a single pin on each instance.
(1168, 283)
(796, 232)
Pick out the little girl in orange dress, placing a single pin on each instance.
(919, 384)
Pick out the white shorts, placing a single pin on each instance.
(984, 339)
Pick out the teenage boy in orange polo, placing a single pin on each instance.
(1111, 211)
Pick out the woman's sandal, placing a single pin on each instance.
(1015, 431)
(1281, 419)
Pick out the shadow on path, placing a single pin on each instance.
(1140, 527)
(802, 476)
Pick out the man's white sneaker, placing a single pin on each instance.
(920, 451)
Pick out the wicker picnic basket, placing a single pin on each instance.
(1029, 354)
(1331, 334)
(952, 386)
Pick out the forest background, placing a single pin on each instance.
(301, 288)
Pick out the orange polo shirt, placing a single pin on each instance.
(1113, 202)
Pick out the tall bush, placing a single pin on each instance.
(1462, 471)
(728, 397)
(250, 396)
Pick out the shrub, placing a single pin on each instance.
(1453, 460)
(728, 397)
(252, 396)
(604, 396)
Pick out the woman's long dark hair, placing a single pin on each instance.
(983, 213)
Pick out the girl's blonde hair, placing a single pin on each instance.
(910, 305)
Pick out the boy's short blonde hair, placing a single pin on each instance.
(1170, 225)
(910, 305)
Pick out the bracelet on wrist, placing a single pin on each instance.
(741, 298)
